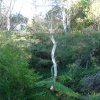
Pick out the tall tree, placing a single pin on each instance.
(54, 66)
(9, 11)
(66, 7)
(62, 8)
(0, 6)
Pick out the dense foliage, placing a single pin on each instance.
(16, 80)
(25, 57)
(77, 57)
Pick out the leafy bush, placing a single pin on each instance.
(75, 56)
(16, 80)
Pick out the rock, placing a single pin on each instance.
(91, 83)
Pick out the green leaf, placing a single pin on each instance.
(59, 87)
(65, 90)
(92, 97)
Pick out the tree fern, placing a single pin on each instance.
(45, 95)
(92, 97)
(60, 88)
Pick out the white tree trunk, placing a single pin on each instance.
(10, 8)
(54, 71)
(8, 21)
(66, 14)
(68, 7)
(0, 7)
(64, 19)
(68, 21)
(54, 66)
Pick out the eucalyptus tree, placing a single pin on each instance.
(66, 25)
(6, 7)
(51, 31)
(61, 11)
(0, 6)
(9, 11)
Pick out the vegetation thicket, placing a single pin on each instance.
(25, 58)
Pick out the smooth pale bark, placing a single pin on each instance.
(54, 71)
(10, 8)
(65, 7)
(64, 19)
(8, 15)
(54, 66)
(0, 7)
(8, 21)
(68, 7)
(68, 21)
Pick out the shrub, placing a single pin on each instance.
(17, 82)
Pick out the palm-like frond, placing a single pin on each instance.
(92, 97)
(60, 88)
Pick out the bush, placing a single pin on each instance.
(17, 82)
(76, 57)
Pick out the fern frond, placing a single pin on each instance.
(65, 90)
(92, 97)
(63, 78)
(45, 95)
(59, 88)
